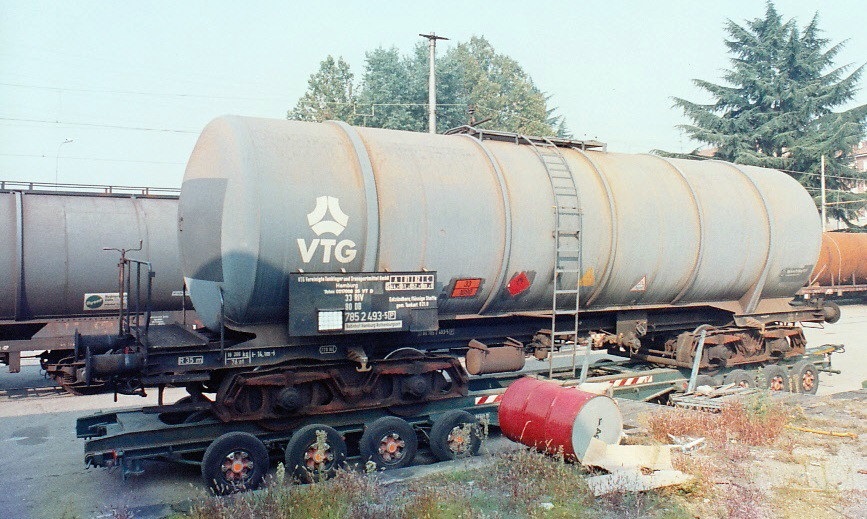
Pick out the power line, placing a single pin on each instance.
(135, 92)
(97, 125)
(699, 157)
(90, 158)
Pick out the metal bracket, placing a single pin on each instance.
(357, 354)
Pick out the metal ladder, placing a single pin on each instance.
(567, 241)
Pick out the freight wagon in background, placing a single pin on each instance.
(57, 280)
(363, 283)
(841, 271)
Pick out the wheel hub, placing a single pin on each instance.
(457, 440)
(391, 447)
(237, 466)
(776, 384)
(316, 457)
(807, 381)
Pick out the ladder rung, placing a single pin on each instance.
(565, 312)
(568, 291)
(568, 233)
(560, 334)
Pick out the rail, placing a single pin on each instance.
(46, 187)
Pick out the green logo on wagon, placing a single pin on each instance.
(93, 302)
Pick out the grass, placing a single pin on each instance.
(736, 475)
(518, 484)
(755, 421)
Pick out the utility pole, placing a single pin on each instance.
(432, 85)
(57, 158)
(824, 215)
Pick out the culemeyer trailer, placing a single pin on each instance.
(236, 455)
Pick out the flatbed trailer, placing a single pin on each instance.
(187, 433)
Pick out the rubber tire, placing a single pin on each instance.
(189, 399)
(797, 377)
(301, 440)
(773, 371)
(217, 451)
(381, 427)
(831, 311)
(738, 377)
(706, 380)
(444, 425)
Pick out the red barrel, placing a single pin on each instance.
(550, 417)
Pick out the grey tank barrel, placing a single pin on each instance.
(53, 265)
(262, 199)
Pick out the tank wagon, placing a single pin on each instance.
(57, 279)
(340, 269)
(841, 270)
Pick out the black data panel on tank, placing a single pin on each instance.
(335, 303)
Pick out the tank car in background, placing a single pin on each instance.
(340, 268)
(841, 270)
(57, 279)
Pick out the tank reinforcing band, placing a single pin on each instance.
(19, 255)
(507, 213)
(750, 300)
(371, 257)
(612, 208)
(684, 288)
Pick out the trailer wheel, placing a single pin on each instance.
(775, 378)
(455, 435)
(390, 442)
(706, 380)
(235, 462)
(740, 378)
(315, 452)
(805, 378)
(831, 311)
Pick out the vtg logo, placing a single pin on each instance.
(344, 250)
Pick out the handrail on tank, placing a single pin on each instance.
(18, 185)
(516, 138)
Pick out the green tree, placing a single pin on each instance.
(393, 91)
(391, 96)
(498, 88)
(777, 108)
(329, 94)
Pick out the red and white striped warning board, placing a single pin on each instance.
(489, 399)
(631, 381)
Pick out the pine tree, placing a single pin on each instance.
(777, 108)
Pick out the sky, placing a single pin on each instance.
(131, 84)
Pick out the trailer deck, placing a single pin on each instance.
(183, 432)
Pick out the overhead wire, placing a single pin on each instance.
(134, 92)
(98, 125)
(90, 158)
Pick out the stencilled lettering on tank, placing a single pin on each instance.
(343, 251)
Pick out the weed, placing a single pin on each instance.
(756, 421)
